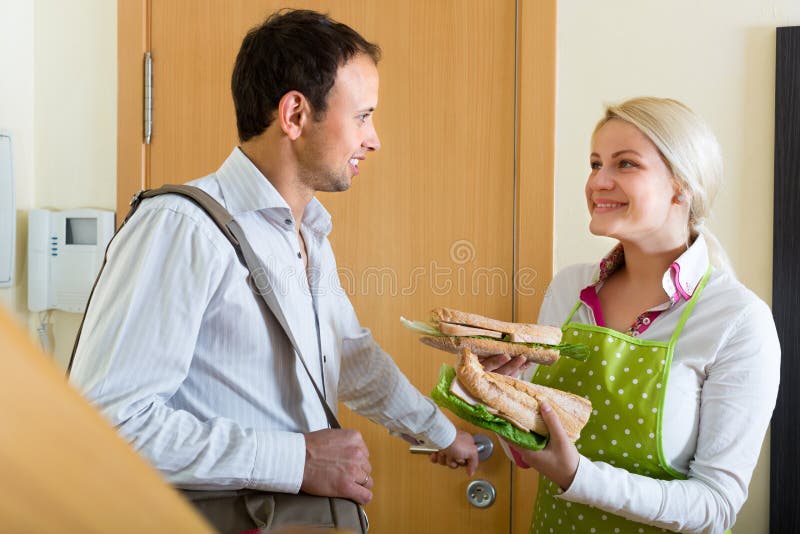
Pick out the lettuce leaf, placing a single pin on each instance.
(479, 416)
(574, 351)
(421, 327)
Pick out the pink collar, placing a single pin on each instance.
(679, 282)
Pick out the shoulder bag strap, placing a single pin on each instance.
(235, 235)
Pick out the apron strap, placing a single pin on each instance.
(690, 306)
(572, 313)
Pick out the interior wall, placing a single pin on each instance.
(16, 117)
(717, 56)
(58, 98)
(76, 118)
(60, 102)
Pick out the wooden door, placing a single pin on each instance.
(429, 221)
(64, 468)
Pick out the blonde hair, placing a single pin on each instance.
(689, 148)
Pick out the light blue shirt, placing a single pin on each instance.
(183, 358)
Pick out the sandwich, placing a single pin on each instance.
(515, 400)
(453, 330)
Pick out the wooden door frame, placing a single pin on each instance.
(535, 151)
(133, 40)
(534, 195)
(534, 165)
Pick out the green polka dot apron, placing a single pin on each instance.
(625, 378)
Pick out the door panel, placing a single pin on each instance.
(429, 221)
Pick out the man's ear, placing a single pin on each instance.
(292, 113)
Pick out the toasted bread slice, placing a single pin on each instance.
(458, 390)
(520, 332)
(491, 347)
(519, 401)
(573, 410)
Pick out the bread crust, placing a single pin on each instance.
(572, 410)
(518, 401)
(522, 332)
(490, 347)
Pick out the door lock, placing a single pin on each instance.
(481, 493)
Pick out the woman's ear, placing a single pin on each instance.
(292, 113)
(680, 195)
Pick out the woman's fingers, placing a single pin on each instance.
(493, 363)
(557, 433)
(505, 365)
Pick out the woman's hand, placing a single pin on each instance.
(505, 365)
(558, 461)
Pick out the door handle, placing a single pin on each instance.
(484, 444)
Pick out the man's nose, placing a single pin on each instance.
(372, 142)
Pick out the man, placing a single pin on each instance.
(179, 352)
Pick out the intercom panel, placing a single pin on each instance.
(65, 253)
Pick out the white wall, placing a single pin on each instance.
(16, 116)
(717, 56)
(76, 117)
(59, 98)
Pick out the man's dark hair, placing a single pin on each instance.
(297, 50)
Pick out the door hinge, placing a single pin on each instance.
(148, 97)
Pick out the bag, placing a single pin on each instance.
(241, 511)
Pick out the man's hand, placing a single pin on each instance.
(558, 461)
(461, 452)
(337, 465)
(505, 364)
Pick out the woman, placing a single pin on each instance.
(684, 364)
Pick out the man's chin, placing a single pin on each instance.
(332, 183)
(341, 185)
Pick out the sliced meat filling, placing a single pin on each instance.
(460, 330)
